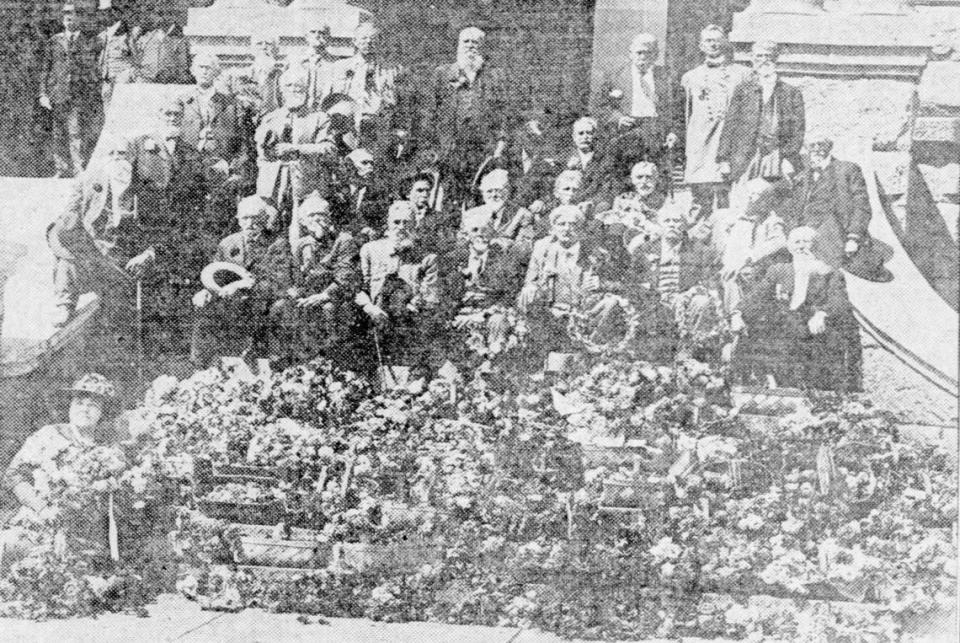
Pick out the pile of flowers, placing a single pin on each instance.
(625, 500)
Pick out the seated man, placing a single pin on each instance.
(399, 287)
(573, 275)
(636, 211)
(583, 156)
(800, 327)
(510, 224)
(436, 229)
(319, 278)
(683, 274)
(85, 238)
(233, 319)
(358, 199)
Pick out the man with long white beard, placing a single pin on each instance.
(84, 237)
(765, 123)
(467, 114)
(801, 329)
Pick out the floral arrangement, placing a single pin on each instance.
(665, 516)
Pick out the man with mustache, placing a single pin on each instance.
(708, 89)
(509, 224)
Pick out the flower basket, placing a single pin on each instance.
(278, 552)
(401, 557)
(770, 402)
(207, 473)
(254, 513)
(631, 495)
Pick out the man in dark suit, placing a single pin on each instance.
(358, 198)
(232, 319)
(830, 197)
(221, 130)
(69, 88)
(583, 155)
(639, 110)
(466, 114)
(164, 54)
(763, 131)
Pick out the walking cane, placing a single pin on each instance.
(139, 308)
(380, 364)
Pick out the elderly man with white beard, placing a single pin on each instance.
(509, 223)
(84, 237)
(466, 114)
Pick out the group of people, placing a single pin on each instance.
(373, 209)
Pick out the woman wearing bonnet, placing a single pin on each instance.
(799, 326)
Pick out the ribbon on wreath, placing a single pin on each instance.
(112, 534)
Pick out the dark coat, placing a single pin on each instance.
(699, 264)
(779, 342)
(228, 124)
(70, 71)
(836, 205)
(739, 138)
(486, 119)
(498, 282)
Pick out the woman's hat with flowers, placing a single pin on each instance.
(94, 384)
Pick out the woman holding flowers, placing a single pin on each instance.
(42, 466)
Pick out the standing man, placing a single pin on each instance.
(831, 197)
(218, 128)
(118, 52)
(317, 64)
(164, 54)
(466, 114)
(763, 132)
(372, 84)
(707, 92)
(636, 106)
(68, 88)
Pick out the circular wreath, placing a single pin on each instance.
(208, 276)
(581, 326)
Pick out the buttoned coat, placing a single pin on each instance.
(739, 139)
(70, 70)
(836, 205)
(224, 126)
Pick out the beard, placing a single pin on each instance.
(469, 62)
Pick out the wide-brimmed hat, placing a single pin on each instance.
(96, 385)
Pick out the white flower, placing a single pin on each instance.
(666, 549)
(750, 522)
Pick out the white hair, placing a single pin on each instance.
(208, 59)
(562, 210)
(586, 120)
(644, 39)
(495, 179)
(471, 31)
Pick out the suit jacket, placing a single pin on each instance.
(329, 266)
(699, 264)
(615, 98)
(70, 70)
(118, 54)
(225, 127)
(456, 111)
(164, 56)
(319, 72)
(307, 172)
(356, 207)
(498, 282)
(739, 138)
(836, 205)
(379, 262)
(538, 183)
(86, 230)
(766, 306)
(171, 188)
(511, 224)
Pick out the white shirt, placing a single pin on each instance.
(644, 94)
(585, 158)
